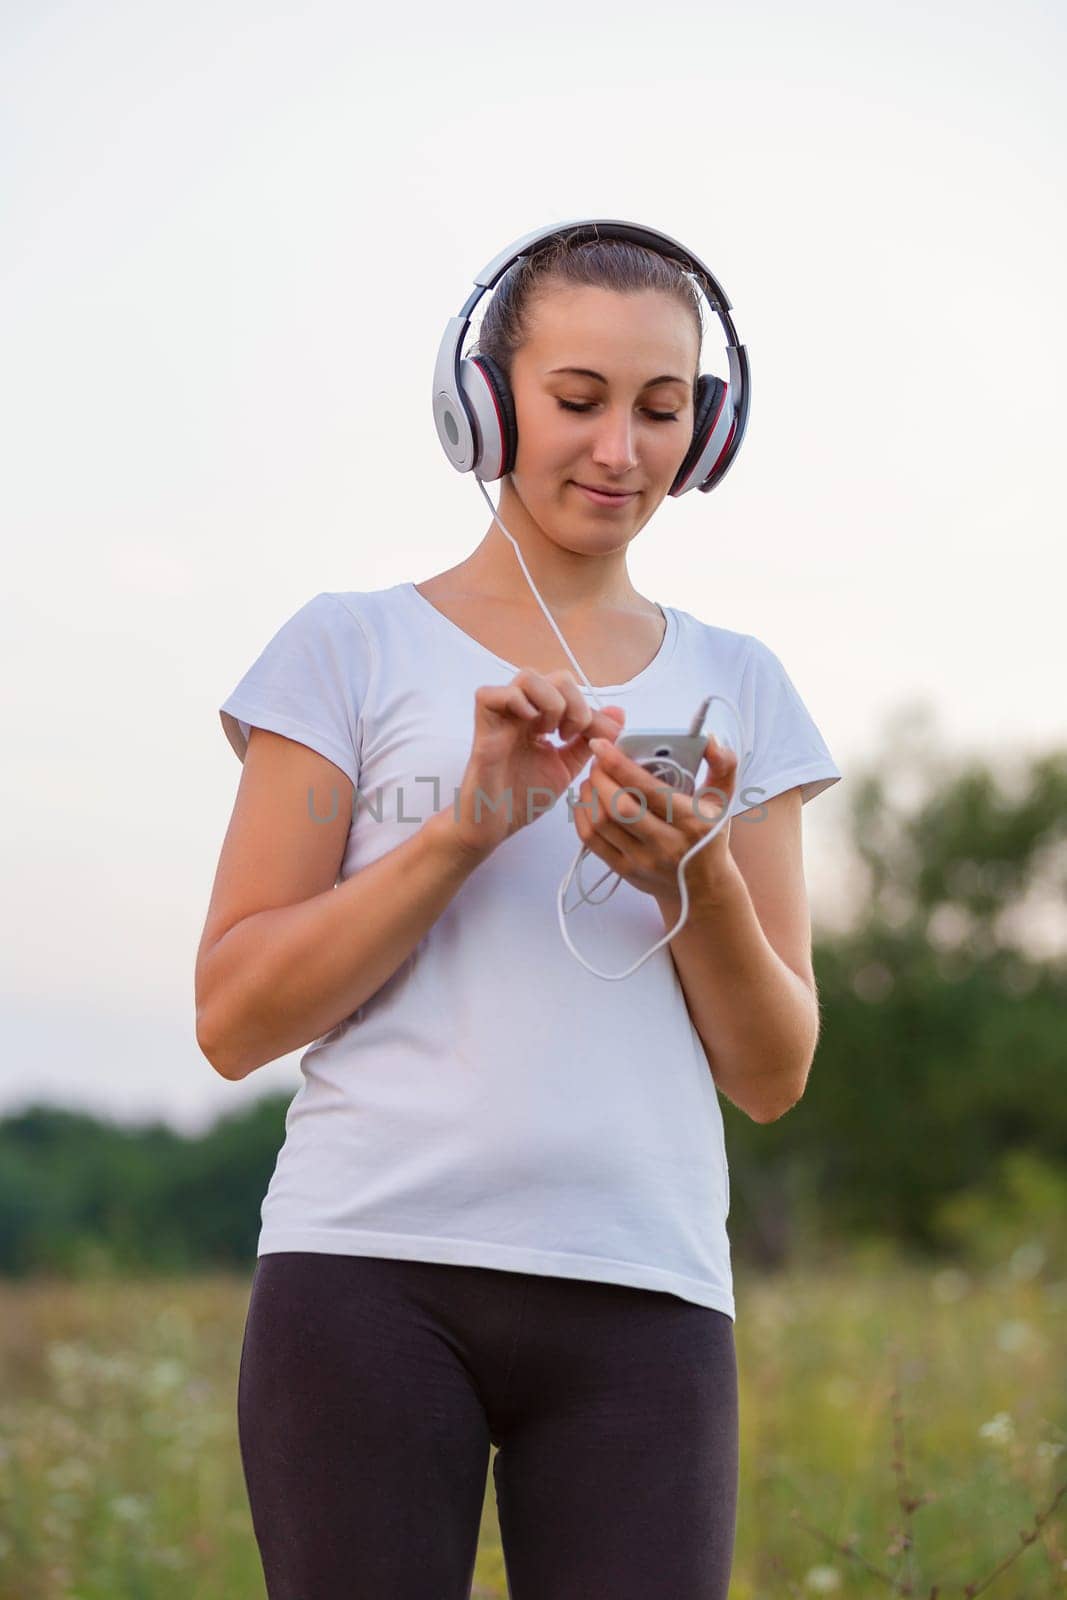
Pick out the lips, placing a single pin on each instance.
(604, 497)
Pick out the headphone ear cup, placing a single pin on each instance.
(487, 392)
(713, 429)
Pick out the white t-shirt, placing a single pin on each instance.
(494, 1104)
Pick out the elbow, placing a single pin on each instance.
(773, 1110)
(765, 1114)
(232, 1071)
(208, 1042)
(210, 1052)
(215, 1030)
(791, 1087)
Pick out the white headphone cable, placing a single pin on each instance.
(583, 851)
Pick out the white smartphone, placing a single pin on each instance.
(663, 751)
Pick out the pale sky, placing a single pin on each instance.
(231, 236)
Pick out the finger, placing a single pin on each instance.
(625, 836)
(575, 753)
(506, 701)
(602, 727)
(578, 719)
(626, 819)
(721, 758)
(613, 770)
(613, 720)
(628, 846)
(607, 723)
(710, 801)
(578, 714)
(597, 845)
(717, 788)
(541, 689)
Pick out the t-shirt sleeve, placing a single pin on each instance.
(783, 747)
(309, 683)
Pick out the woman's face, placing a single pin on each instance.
(640, 353)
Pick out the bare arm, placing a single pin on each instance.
(283, 977)
(744, 963)
(287, 953)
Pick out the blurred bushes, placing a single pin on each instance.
(80, 1196)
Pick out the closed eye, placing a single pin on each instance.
(657, 416)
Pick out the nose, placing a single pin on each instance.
(614, 444)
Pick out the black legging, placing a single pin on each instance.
(370, 1391)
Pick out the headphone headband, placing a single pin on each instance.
(456, 407)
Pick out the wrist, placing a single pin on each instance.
(709, 889)
(443, 831)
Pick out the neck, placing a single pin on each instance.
(567, 580)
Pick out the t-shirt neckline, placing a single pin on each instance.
(653, 668)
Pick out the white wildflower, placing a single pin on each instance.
(1000, 1429)
(822, 1580)
(129, 1507)
(165, 1375)
(949, 1285)
(1014, 1336)
(72, 1473)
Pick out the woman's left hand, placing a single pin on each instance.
(641, 829)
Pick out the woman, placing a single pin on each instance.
(499, 1213)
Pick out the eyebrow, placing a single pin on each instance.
(587, 372)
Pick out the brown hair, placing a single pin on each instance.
(606, 263)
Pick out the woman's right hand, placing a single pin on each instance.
(511, 755)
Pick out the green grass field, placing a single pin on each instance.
(903, 1432)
